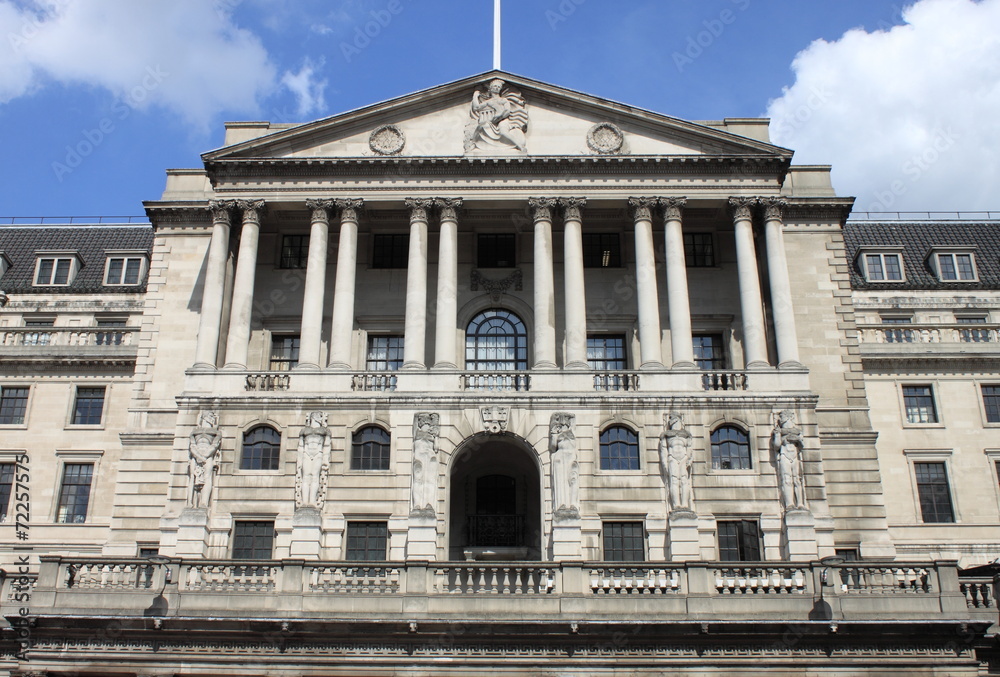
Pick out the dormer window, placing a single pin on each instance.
(882, 266)
(56, 271)
(954, 266)
(4, 264)
(124, 270)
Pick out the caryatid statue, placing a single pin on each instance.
(675, 461)
(786, 443)
(314, 459)
(424, 473)
(203, 450)
(565, 468)
(499, 120)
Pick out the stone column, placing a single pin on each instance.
(210, 320)
(545, 311)
(310, 335)
(342, 324)
(445, 347)
(678, 301)
(415, 323)
(650, 349)
(781, 289)
(243, 284)
(576, 302)
(751, 307)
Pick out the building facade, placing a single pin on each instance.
(496, 370)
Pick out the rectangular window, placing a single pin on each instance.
(919, 404)
(709, 352)
(253, 539)
(698, 250)
(739, 541)
(933, 492)
(495, 250)
(624, 542)
(883, 267)
(53, 271)
(13, 405)
(123, 270)
(602, 250)
(956, 267)
(284, 352)
(74, 494)
(367, 541)
(390, 250)
(294, 251)
(6, 485)
(385, 353)
(606, 353)
(89, 406)
(991, 402)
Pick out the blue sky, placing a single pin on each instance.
(99, 97)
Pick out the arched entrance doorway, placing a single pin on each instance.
(495, 500)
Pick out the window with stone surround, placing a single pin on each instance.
(624, 541)
(367, 541)
(991, 402)
(730, 448)
(55, 271)
(954, 266)
(619, 448)
(74, 493)
(261, 449)
(606, 352)
(933, 492)
(709, 351)
(370, 449)
(496, 340)
(88, 407)
(882, 266)
(385, 353)
(602, 250)
(284, 352)
(13, 404)
(253, 539)
(918, 404)
(6, 485)
(739, 540)
(124, 270)
(294, 251)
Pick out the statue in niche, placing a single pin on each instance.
(424, 479)
(675, 461)
(203, 450)
(786, 443)
(314, 455)
(565, 468)
(499, 120)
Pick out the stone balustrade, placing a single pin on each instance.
(928, 333)
(979, 592)
(616, 380)
(67, 336)
(419, 589)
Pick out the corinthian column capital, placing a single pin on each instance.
(672, 207)
(642, 207)
(774, 207)
(418, 208)
(321, 210)
(448, 207)
(572, 206)
(220, 210)
(251, 210)
(348, 207)
(742, 207)
(542, 207)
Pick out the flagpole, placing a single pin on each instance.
(496, 34)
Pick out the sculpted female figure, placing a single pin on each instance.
(314, 452)
(786, 443)
(203, 448)
(499, 119)
(676, 460)
(424, 480)
(565, 468)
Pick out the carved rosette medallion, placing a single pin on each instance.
(387, 140)
(495, 419)
(606, 138)
(742, 207)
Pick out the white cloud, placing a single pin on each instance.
(906, 116)
(307, 88)
(185, 55)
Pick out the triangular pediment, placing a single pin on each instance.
(522, 117)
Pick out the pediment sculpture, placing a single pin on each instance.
(499, 120)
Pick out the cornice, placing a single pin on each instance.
(190, 214)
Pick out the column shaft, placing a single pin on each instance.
(243, 286)
(445, 347)
(310, 335)
(575, 297)
(342, 324)
(678, 300)
(781, 289)
(544, 284)
(650, 338)
(751, 307)
(415, 323)
(210, 320)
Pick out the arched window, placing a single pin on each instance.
(496, 340)
(730, 448)
(370, 449)
(619, 449)
(261, 449)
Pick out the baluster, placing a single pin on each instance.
(505, 584)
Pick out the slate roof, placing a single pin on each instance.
(917, 240)
(20, 244)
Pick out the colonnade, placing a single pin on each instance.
(643, 210)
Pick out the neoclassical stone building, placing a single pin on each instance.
(496, 373)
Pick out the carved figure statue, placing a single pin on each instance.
(675, 461)
(565, 468)
(499, 120)
(786, 443)
(314, 455)
(424, 474)
(203, 449)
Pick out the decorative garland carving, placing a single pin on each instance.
(496, 288)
